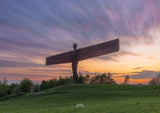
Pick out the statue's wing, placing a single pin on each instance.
(85, 53)
(59, 59)
(98, 50)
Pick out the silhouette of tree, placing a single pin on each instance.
(87, 78)
(155, 81)
(126, 80)
(81, 79)
(43, 85)
(26, 85)
(36, 88)
(5, 81)
(102, 79)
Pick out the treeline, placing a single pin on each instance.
(155, 80)
(27, 86)
(24, 86)
(96, 79)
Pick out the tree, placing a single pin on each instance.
(61, 81)
(44, 85)
(81, 78)
(36, 88)
(110, 80)
(155, 81)
(5, 81)
(4, 90)
(15, 88)
(52, 83)
(126, 80)
(26, 85)
(103, 79)
(87, 78)
(152, 81)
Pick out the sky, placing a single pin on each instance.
(32, 30)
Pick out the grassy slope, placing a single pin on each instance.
(96, 99)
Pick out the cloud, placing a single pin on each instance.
(144, 74)
(137, 68)
(51, 22)
(7, 63)
(15, 76)
(123, 53)
(113, 57)
(31, 30)
(150, 58)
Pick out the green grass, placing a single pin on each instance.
(98, 98)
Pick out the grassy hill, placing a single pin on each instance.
(96, 98)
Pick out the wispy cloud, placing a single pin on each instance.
(32, 30)
(144, 74)
(137, 68)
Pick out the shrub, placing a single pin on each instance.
(4, 89)
(44, 85)
(126, 80)
(52, 83)
(81, 79)
(14, 88)
(66, 80)
(36, 88)
(26, 85)
(102, 79)
(155, 81)
(17, 88)
(87, 78)
(61, 81)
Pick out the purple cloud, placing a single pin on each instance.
(143, 74)
(36, 29)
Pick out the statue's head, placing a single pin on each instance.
(75, 46)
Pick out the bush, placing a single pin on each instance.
(4, 90)
(97, 79)
(81, 79)
(62, 81)
(155, 81)
(44, 85)
(36, 88)
(17, 88)
(52, 83)
(26, 85)
(14, 88)
(87, 79)
(102, 79)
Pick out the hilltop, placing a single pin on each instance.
(96, 98)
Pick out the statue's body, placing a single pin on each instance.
(74, 63)
(82, 54)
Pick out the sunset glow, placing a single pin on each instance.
(32, 30)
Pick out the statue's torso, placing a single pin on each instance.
(74, 57)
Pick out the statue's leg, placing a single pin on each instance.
(74, 69)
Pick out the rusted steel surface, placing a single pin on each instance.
(85, 53)
(60, 58)
(98, 50)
